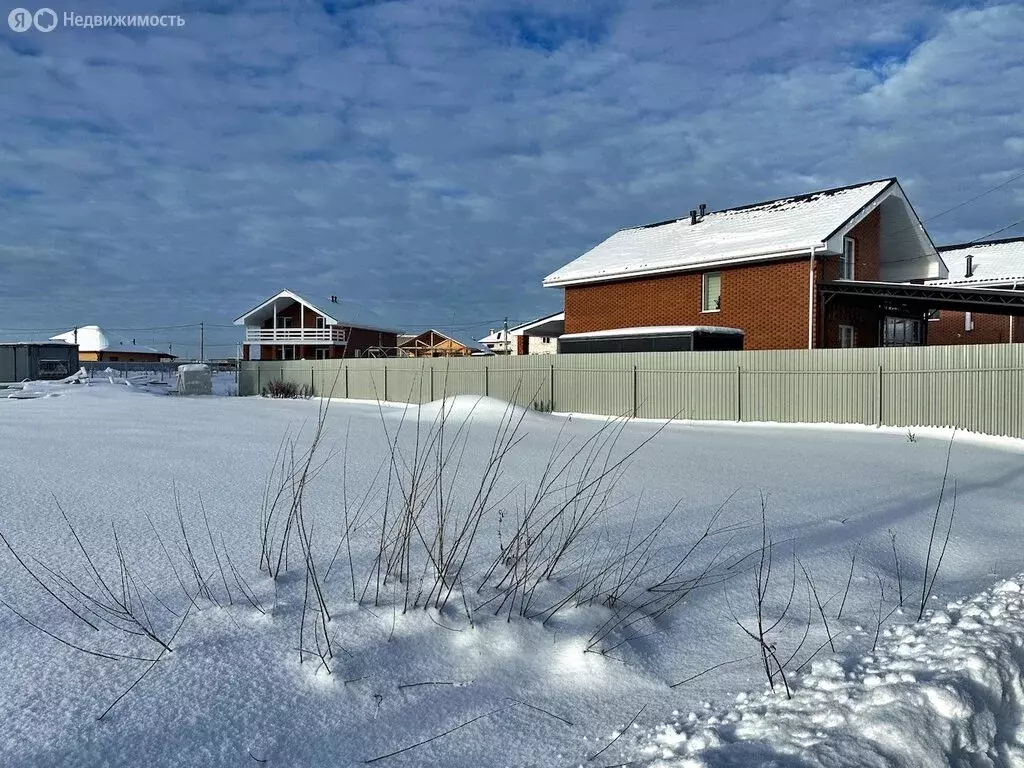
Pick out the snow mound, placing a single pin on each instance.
(948, 690)
(462, 407)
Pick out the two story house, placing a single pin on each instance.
(768, 270)
(289, 327)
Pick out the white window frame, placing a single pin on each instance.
(968, 322)
(321, 353)
(707, 304)
(284, 355)
(284, 322)
(321, 322)
(847, 337)
(848, 259)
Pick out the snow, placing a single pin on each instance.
(948, 690)
(193, 367)
(994, 262)
(652, 330)
(503, 689)
(777, 227)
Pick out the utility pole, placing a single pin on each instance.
(202, 342)
(508, 348)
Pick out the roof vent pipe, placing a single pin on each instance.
(703, 209)
(693, 218)
(970, 265)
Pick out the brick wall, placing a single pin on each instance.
(767, 301)
(865, 320)
(988, 329)
(362, 339)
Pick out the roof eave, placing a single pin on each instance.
(681, 269)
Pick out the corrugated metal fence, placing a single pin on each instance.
(978, 388)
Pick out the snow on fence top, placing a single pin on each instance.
(787, 225)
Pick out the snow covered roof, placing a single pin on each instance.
(653, 330)
(495, 337)
(994, 261)
(344, 313)
(550, 325)
(788, 226)
(91, 338)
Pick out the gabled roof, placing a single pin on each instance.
(995, 261)
(410, 340)
(551, 325)
(781, 228)
(91, 338)
(338, 313)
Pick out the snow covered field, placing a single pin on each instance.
(634, 647)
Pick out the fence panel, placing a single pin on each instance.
(979, 388)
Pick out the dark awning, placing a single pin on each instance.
(993, 301)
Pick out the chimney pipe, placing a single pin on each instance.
(970, 265)
(693, 218)
(703, 209)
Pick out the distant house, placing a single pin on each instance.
(986, 264)
(831, 268)
(538, 337)
(289, 327)
(97, 346)
(432, 343)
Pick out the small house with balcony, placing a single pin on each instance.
(289, 327)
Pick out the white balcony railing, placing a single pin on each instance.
(331, 335)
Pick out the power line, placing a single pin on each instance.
(998, 231)
(976, 197)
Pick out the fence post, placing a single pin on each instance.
(431, 369)
(311, 392)
(259, 390)
(551, 386)
(634, 391)
(879, 395)
(487, 380)
(345, 369)
(739, 393)
(385, 382)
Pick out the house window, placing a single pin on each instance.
(712, 293)
(968, 321)
(321, 353)
(933, 314)
(284, 322)
(286, 353)
(545, 339)
(847, 258)
(847, 336)
(321, 322)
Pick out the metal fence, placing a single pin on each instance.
(978, 388)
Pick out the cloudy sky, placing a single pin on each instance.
(435, 159)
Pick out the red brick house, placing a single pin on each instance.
(987, 264)
(288, 327)
(758, 268)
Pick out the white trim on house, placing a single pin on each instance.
(330, 320)
(652, 330)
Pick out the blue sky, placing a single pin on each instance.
(435, 159)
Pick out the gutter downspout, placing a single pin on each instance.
(1012, 318)
(810, 297)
